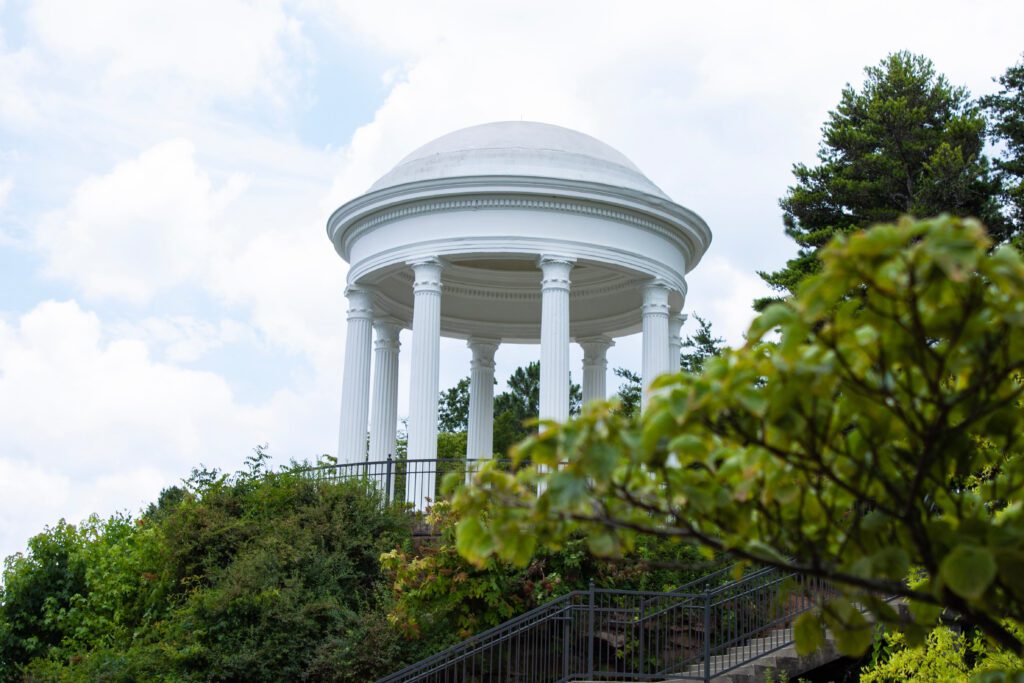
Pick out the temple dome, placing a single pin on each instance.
(519, 148)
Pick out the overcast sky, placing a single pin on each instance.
(168, 296)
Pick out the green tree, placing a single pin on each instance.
(38, 587)
(256, 576)
(630, 392)
(881, 436)
(698, 347)
(453, 408)
(512, 408)
(906, 142)
(1006, 113)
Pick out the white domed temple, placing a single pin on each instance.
(511, 232)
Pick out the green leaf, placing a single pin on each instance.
(924, 613)
(602, 544)
(473, 541)
(688, 446)
(517, 548)
(773, 316)
(854, 636)
(968, 571)
(766, 552)
(998, 677)
(809, 633)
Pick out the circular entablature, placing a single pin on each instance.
(504, 302)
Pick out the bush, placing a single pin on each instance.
(261, 576)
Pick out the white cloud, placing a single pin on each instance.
(18, 103)
(184, 339)
(723, 294)
(67, 392)
(150, 223)
(6, 185)
(292, 282)
(90, 419)
(228, 48)
(30, 497)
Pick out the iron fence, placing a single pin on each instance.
(700, 630)
(604, 634)
(401, 480)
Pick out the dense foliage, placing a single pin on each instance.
(946, 655)
(264, 576)
(906, 142)
(268, 576)
(440, 595)
(881, 434)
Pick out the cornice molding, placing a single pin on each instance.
(619, 258)
(521, 192)
(477, 203)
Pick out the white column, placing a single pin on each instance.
(480, 439)
(384, 415)
(655, 332)
(426, 353)
(675, 340)
(355, 388)
(554, 337)
(595, 367)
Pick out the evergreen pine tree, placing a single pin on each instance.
(1006, 113)
(907, 142)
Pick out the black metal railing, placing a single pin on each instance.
(602, 634)
(401, 480)
(702, 629)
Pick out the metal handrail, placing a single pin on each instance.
(492, 636)
(627, 635)
(704, 628)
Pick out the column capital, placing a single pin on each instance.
(387, 331)
(555, 271)
(675, 323)
(595, 348)
(426, 274)
(360, 302)
(483, 349)
(656, 297)
(550, 259)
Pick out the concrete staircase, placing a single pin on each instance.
(768, 666)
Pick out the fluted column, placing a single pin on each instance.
(655, 333)
(675, 340)
(355, 389)
(426, 352)
(384, 413)
(480, 439)
(595, 367)
(554, 337)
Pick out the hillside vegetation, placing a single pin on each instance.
(269, 576)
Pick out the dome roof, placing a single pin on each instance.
(519, 148)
